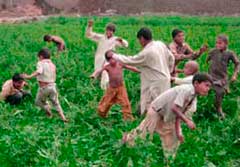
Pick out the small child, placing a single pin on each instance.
(116, 92)
(106, 41)
(220, 58)
(57, 40)
(12, 90)
(190, 68)
(181, 50)
(46, 76)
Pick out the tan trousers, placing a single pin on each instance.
(153, 122)
(49, 93)
(115, 96)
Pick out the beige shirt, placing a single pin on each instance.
(155, 62)
(180, 96)
(104, 44)
(8, 89)
(47, 71)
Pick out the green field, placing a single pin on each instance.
(29, 138)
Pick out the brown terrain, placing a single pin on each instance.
(12, 9)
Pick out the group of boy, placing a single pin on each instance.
(164, 107)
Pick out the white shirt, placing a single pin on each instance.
(104, 44)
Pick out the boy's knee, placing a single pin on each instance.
(102, 113)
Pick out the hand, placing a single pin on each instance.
(203, 49)
(90, 23)
(25, 76)
(190, 124)
(181, 138)
(119, 40)
(234, 78)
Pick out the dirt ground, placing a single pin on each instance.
(25, 8)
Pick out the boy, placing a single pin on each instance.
(116, 91)
(57, 40)
(219, 58)
(168, 108)
(12, 90)
(182, 50)
(190, 68)
(105, 42)
(46, 76)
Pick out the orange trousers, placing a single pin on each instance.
(115, 96)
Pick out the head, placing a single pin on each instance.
(47, 38)
(202, 83)
(18, 81)
(109, 57)
(191, 68)
(44, 54)
(222, 42)
(144, 36)
(110, 30)
(178, 36)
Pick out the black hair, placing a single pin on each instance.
(17, 77)
(45, 53)
(145, 33)
(175, 32)
(46, 38)
(106, 55)
(202, 77)
(111, 27)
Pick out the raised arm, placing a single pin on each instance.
(92, 35)
(131, 68)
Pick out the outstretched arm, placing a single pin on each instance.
(96, 73)
(131, 68)
(34, 74)
(122, 42)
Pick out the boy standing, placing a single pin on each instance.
(57, 40)
(169, 107)
(219, 58)
(12, 90)
(46, 76)
(181, 50)
(116, 92)
(105, 42)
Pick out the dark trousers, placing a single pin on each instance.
(17, 97)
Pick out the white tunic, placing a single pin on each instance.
(104, 44)
(156, 62)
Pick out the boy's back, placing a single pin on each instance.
(47, 71)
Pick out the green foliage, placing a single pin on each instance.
(29, 138)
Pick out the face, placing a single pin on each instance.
(202, 88)
(221, 45)
(179, 38)
(109, 33)
(18, 84)
(111, 60)
(142, 41)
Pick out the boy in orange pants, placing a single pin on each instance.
(116, 92)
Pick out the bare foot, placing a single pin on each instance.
(49, 114)
(65, 120)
